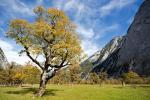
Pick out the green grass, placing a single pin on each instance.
(77, 92)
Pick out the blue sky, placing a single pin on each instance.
(98, 21)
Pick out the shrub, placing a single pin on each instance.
(131, 78)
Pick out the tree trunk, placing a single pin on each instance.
(42, 87)
(45, 76)
(123, 83)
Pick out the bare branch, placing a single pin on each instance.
(62, 64)
(27, 52)
(34, 60)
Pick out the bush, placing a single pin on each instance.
(93, 78)
(69, 75)
(132, 78)
(17, 75)
(112, 81)
(147, 80)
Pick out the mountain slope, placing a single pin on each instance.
(101, 57)
(135, 52)
(131, 52)
(3, 60)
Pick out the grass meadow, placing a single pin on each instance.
(77, 92)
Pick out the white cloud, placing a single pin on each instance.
(74, 4)
(59, 4)
(68, 5)
(11, 54)
(16, 7)
(89, 47)
(39, 2)
(87, 41)
(130, 20)
(114, 4)
(81, 11)
(84, 32)
(104, 30)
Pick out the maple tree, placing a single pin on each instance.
(52, 37)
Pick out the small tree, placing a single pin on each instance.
(31, 74)
(7, 75)
(102, 77)
(131, 77)
(19, 76)
(75, 73)
(93, 78)
(52, 37)
(86, 66)
(59, 77)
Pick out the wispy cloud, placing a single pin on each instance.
(82, 12)
(106, 29)
(16, 7)
(12, 54)
(80, 7)
(88, 15)
(114, 4)
(85, 33)
(130, 20)
(87, 40)
(89, 46)
(40, 2)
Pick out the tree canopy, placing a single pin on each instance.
(52, 37)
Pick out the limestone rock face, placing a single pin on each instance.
(3, 60)
(130, 52)
(104, 59)
(135, 52)
(108, 58)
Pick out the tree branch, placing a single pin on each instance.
(62, 63)
(34, 60)
(27, 52)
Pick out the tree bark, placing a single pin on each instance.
(43, 82)
(45, 76)
(123, 83)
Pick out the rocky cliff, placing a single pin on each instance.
(131, 52)
(96, 61)
(3, 60)
(108, 58)
(135, 53)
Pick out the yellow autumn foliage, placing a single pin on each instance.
(52, 35)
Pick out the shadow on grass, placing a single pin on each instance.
(49, 92)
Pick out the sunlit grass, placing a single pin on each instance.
(77, 92)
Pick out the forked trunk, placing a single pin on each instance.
(45, 76)
(42, 87)
(123, 83)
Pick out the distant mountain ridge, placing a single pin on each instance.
(101, 55)
(3, 60)
(98, 61)
(130, 52)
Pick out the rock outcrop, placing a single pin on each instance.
(3, 60)
(131, 52)
(135, 52)
(101, 59)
